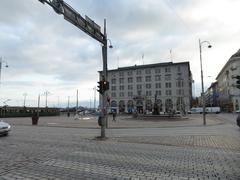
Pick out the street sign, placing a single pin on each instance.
(92, 23)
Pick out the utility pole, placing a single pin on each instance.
(94, 103)
(68, 107)
(24, 99)
(1, 63)
(46, 94)
(77, 103)
(38, 105)
(92, 29)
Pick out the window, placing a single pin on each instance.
(129, 73)
(139, 79)
(148, 86)
(147, 71)
(167, 69)
(139, 72)
(121, 80)
(113, 88)
(148, 78)
(121, 94)
(113, 94)
(139, 87)
(168, 85)
(130, 80)
(130, 94)
(130, 87)
(157, 70)
(179, 69)
(157, 77)
(121, 87)
(121, 73)
(158, 85)
(168, 92)
(148, 93)
(168, 77)
(158, 93)
(179, 83)
(139, 93)
(180, 92)
(113, 81)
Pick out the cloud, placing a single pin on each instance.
(45, 52)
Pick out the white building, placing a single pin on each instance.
(229, 94)
(169, 85)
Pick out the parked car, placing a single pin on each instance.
(4, 128)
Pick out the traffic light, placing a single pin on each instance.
(238, 82)
(100, 87)
(105, 85)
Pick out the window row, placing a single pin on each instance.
(147, 86)
(147, 93)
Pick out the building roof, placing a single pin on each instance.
(237, 54)
(148, 66)
(234, 57)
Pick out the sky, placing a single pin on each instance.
(45, 53)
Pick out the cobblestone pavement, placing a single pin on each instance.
(32, 152)
(123, 121)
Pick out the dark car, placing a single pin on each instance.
(4, 128)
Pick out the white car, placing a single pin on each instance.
(4, 128)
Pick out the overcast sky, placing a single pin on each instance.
(46, 53)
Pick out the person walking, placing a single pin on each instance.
(238, 120)
(114, 116)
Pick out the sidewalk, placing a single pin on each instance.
(123, 121)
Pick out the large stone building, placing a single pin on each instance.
(212, 95)
(169, 85)
(228, 93)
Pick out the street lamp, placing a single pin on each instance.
(110, 44)
(6, 66)
(203, 96)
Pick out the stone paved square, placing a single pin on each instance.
(193, 152)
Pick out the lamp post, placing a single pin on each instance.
(24, 99)
(203, 96)
(1, 63)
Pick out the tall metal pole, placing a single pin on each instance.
(104, 96)
(77, 102)
(203, 96)
(38, 105)
(1, 63)
(68, 106)
(0, 68)
(24, 100)
(94, 103)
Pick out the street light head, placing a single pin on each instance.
(6, 66)
(110, 46)
(209, 46)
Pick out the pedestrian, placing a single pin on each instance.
(114, 116)
(238, 120)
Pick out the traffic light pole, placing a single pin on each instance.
(88, 26)
(104, 75)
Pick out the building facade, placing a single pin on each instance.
(139, 88)
(212, 96)
(229, 94)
